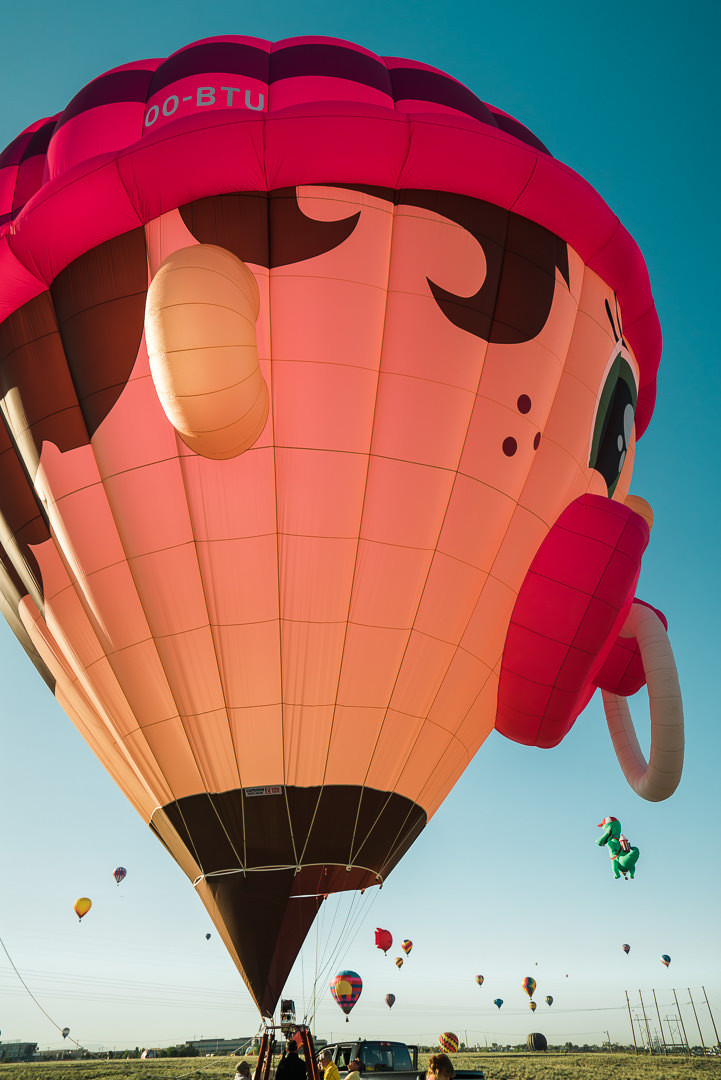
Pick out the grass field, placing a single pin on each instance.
(509, 1066)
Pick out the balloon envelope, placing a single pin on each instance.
(384, 939)
(406, 946)
(65, 1032)
(498, 1002)
(234, 605)
(119, 873)
(529, 985)
(82, 906)
(448, 1042)
(479, 980)
(532, 1006)
(665, 959)
(549, 1000)
(390, 1000)
(627, 949)
(399, 961)
(346, 989)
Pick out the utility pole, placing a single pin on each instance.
(683, 1026)
(697, 1023)
(645, 1020)
(633, 1029)
(718, 1044)
(658, 1014)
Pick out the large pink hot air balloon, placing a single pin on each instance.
(321, 387)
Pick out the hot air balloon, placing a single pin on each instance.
(536, 1041)
(627, 949)
(665, 959)
(65, 1032)
(529, 985)
(119, 873)
(549, 1000)
(479, 980)
(384, 939)
(82, 906)
(390, 1000)
(399, 961)
(346, 989)
(448, 1042)
(250, 508)
(532, 1006)
(207, 937)
(406, 946)
(498, 1002)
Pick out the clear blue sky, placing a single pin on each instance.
(506, 881)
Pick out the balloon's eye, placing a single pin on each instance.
(614, 422)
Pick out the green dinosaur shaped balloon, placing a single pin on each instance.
(623, 856)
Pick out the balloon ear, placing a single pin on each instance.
(569, 611)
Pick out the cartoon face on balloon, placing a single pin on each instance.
(320, 418)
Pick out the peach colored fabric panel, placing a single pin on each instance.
(240, 579)
(425, 662)
(323, 405)
(111, 597)
(140, 672)
(370, 664)
(395, 741)
(425, 757)
(420, 421)
(521, 542)
(258, 741)
(405, 503)
(449, 596)
(310, 661)
(352, 743)
(150, 507)
(306, 732)
(477, 517)
(210, 735)
(248, 658)
(387, 584)
(166, 757)
(463, 681)
(252, 509)
(316, 576)
(192, 670)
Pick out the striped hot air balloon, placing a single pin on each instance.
(529, 985)
(399, 961)
(448, 1042)
(346, 989)
(407, 946)
(479, 980)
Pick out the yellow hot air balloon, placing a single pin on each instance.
(82, 906)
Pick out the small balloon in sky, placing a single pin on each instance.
(82, 906)
(119, 873)
(665, 959)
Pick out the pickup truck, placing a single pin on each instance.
(396, 1058)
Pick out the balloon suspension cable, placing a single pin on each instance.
(42, 1010)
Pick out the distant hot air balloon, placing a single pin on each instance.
(536, 1041)
(390, 1000)
(498, 1002)
(529, 985)
(229, 529)
(207, 937)
(346, 989)
(532, 1006)
(448, 1042)
(406, 946)
(549, 1000)
(479, 980)
(399, 961)
(627, 949)
(119, 873)
(65, 1032)
(384, 939)
(82, 906)
(665, 959)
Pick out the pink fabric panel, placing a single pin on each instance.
(105, 129)
(471, 148)
(19, 284)
(449, 578)
(387, 583)
(239, 577)
(316, 575)
(150, 507)
(421, 421)
(198, 95)
(342, 137)
(321, 494)
(61, 212)
(249, 657)
(323, 405)
(312, 88)
(181, 159)
(405, 503)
